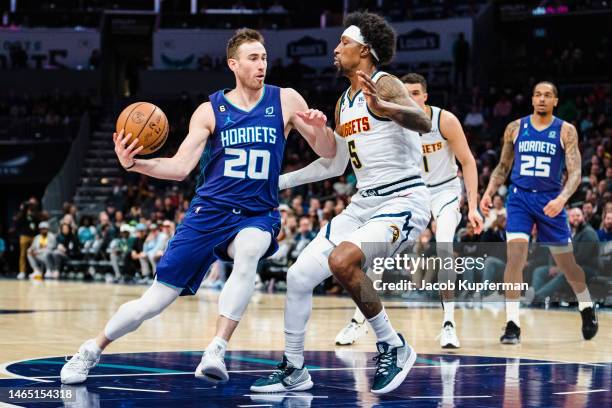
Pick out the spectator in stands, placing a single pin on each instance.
(297, 205)
(605, 232)
(25, 224)
(304, 236)
(548, 280)
(590, 216)
(342, 187)
(40, 252)
(67, 248)
(120, 250)
(86, 233)
(137, 251)
(105, 232)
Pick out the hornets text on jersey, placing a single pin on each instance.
(244, 154)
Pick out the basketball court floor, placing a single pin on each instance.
(43, 322)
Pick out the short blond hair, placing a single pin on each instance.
(241, 36)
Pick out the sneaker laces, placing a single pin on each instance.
(383, 362)
(80, 363)
(281, 369)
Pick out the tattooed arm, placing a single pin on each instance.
(389, 98)
(569, 137)
(499, 175)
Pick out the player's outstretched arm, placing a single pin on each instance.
(311, 123)
(499, 175)
(186, 158)
(319, 169)
(569, 137)
(452, 130)
(389, 98)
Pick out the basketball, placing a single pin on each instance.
(146, 122)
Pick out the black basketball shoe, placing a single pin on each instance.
(589, 323)
(512, 334)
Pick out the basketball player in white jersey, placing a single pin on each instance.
(373, 118)
(441, 145)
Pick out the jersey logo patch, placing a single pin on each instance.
(396, 233)
(228, 121)
(270, 112)
(552, 134)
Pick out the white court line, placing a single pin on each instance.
(288, 396)
(447, 396)
(258, 405)
(43, 378)
(134, 389)
(579, 392)
(7, 405)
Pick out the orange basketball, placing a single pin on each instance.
(146, 122)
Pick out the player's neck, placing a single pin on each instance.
(243, 97)
(541, 120)
(368, 68)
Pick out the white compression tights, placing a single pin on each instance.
(246, 249)
(131, 314)
(310, 269)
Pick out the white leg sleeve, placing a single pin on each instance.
(446, 224)
(131, 314)
(247, 248)
(310, 269)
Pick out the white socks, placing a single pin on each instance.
(512, 312)
(91, 348)
(584, 299)
(449, 312)
(218, 346)
(294, 348)
(383, 329)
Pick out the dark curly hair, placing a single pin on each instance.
(378, 34)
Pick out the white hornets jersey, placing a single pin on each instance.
(439, 165)
(381, 151)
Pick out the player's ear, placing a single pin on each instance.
(426, 96)
(232, 64)
(364, 51)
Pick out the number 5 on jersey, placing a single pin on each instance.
(353, 153)
(258, 163)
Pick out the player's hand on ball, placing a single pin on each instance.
(485, 204)
(125, 153)
(368, 87)
(554, 207)
(476, 220)
(313, 117)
